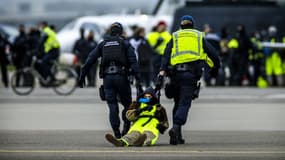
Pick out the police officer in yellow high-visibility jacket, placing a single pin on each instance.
(50, 48)
(187, 53)
(273, 61)
(158, 41)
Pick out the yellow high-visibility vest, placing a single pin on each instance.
(188, 47)
(51, 41)
(147, 113)
(154, 36)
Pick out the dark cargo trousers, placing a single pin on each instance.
(117, 88)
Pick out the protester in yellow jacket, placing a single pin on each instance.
(149, 119)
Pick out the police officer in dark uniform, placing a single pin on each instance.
(186, 53)
(117, 58)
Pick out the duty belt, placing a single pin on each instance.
(184, 67)
(187, 66)
(114, 70)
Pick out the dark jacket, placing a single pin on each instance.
(97, 52)
(20, 48)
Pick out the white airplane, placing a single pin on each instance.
(98, 24)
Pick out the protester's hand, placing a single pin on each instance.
(161, 128)
(138, 111)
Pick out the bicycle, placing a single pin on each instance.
(24, 81)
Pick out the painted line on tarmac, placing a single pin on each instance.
(141, 151)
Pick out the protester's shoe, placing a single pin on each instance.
(140, 141)
(173, 137)
(116, 142)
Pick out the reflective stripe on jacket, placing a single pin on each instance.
(188, 47)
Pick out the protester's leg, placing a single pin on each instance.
(151, 138)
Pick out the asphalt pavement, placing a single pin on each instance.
(224, 123)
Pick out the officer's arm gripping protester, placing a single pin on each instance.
(117, 58)
(186, 53)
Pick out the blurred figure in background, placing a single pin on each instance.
(214, 40)
(34, 36)
(144, 54)
(82, 47)
(19, 50)
(158, 40)
(273, 62)
(91, 75)
(224, 77)
(257, 62)
(3, 59)
(239, 59)
(49, 46)
(283, 59)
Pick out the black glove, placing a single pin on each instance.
(214, 72)
(81, 82)
(159, 82)
(147, 108)
(161, 128)
(140, 110)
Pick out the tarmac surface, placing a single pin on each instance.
(224, 123)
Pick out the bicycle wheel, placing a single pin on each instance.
(23, 82)
(66, 81)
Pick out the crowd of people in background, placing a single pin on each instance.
(244, 61)
(21, 50)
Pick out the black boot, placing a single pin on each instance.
(180, 139)
(126, 129)
(117, 133)
(173, 133)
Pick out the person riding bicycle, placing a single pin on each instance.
(49, 48)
